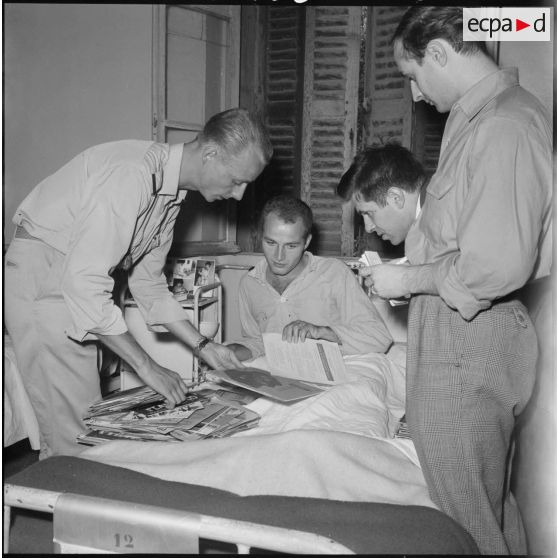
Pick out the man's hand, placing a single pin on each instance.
(241, 352)
(299, 331)
(220, 356)
(396, 281)
(386, 280)
(164, 381)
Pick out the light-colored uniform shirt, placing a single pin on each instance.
(326, 293)
(113, 199)
(486, 219)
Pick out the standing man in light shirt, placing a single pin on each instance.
(483, 232)
(113, 205)
(302, 296)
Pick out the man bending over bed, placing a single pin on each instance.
(302, 296)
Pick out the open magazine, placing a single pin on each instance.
(270, 385)
(141, 414)
(313, 360)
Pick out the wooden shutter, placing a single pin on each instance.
(313, 66)
(330, 105)
(392, 114)
(428, 128)
(284, 67)
(390, 98)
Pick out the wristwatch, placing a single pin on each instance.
(200, 344)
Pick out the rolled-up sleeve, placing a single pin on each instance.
(361, 328)
(500, 219)
(100, 238)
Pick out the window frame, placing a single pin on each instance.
(161, 125)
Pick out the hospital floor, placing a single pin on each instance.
(17, 457)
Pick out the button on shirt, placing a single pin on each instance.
(111, 200)
(486, 219)
(326, 293)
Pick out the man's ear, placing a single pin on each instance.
(209, 151)
(396, 197)
(437, 49)
(306, 244)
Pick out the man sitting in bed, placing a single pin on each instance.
(302, 296)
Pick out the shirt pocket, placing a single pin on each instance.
(439, 185)
(438, 220)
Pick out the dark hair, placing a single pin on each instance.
(236, 129)
(422, 24)
(376, 169)
(289, 210)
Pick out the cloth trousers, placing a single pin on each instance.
(60, 375)
(466, 383)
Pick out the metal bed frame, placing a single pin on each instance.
(86, 524)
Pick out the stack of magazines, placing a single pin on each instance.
(141, 414)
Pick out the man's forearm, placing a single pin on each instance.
(419, 279)
(184, 331)
(127, 348)
(394, 281)
(166, 382)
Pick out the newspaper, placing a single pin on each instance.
(313, 360)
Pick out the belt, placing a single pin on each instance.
(529, 291)
(20, 232)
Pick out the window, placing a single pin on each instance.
(329, 87)
(196, 74)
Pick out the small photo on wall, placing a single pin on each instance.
(181, 276)
(205, 274)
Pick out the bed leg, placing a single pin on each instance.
(243, 548)
(7, 517)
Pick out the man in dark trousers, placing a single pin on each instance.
(484, 231)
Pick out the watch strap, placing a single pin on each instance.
(200, 344)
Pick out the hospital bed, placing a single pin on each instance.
(187, 513)
(19, 420)
(278, 522)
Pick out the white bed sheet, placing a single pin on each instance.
(337, 445)
(19, 420)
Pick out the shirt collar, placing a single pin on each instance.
(487, 89)
(261, 267)
(171, 171)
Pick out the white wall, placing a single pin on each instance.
(535, 61)
(75, 75)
